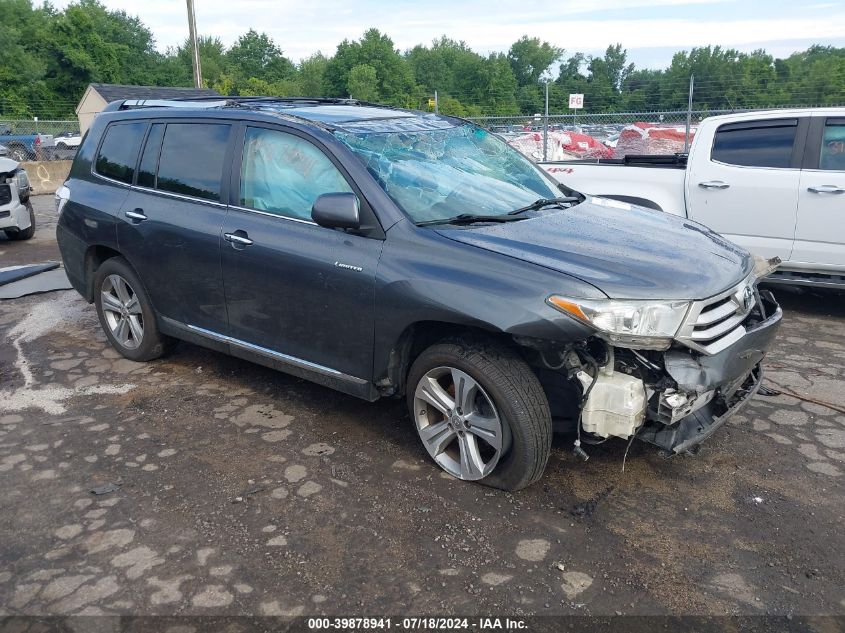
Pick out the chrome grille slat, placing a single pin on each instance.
(716, 314)
(714, 324)
(708, 334)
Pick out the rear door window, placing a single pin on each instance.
(766, 143)
(191, 161)
(119, 151)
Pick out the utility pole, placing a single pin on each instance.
(195, 47)
(436, 104)
(689, 113)
(546, 126)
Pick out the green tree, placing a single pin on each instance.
(256, 55)
(815, 76)
(363, 83)
(311, 75)
(22, 69)
(374, 49)
(529, 58)
(88, 43)
(612, 69)
(216, 71)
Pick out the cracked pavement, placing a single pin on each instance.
(243, 491)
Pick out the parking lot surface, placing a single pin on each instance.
(240, 490)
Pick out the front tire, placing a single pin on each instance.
(481, 413)
(126, 313)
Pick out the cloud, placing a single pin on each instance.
(302, 27)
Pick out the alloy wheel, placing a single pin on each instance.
(458, 423)
(122, 311)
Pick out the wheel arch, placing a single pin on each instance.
(420, 335)
(95, 256)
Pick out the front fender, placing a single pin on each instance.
(428, 278)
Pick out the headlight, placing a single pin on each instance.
(764, 267)
(22, 183)
(637, 324)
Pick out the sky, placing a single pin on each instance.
(651, 30)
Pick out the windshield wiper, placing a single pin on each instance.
(510, 216)
(543, 202)
(469, 218)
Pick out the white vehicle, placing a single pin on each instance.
(17, 219)
(772, 182)
(68, 141)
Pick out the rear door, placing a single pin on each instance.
(296, 291)
(820, 231)
(172, 220)
(747, 187)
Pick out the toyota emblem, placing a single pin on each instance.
(748, 298)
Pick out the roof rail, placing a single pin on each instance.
(269, 99)
(223, 101)
(276, 106)
(129, 104)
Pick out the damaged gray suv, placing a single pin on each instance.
(383, 252)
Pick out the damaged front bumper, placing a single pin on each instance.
(713, 387)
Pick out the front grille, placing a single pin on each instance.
(5, 194)
(715, 324)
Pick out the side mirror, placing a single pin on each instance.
(337, 211)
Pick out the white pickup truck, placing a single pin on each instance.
(773, 182)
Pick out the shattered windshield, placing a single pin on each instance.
(438, 171)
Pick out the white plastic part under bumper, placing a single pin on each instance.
(735, 374)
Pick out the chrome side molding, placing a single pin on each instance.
(282, 358)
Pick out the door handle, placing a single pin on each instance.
(234, 238)
(826, 189)
(713, 184)
(137, 214)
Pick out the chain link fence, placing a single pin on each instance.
(598, 135)
(556, 137)
(28, 139)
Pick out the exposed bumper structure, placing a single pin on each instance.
(14, 215)
(725, 381)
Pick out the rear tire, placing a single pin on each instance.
(126, 313)
(505, 381)
(27, 233)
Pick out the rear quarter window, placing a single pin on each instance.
(191, 160)
(119, 151)
(755, 144)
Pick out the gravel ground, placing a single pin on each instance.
(246, 491)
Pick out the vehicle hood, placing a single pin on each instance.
(626, 251)
(7, 165)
